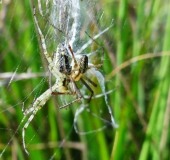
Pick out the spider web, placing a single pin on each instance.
(76, 21)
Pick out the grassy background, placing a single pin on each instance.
(136, 60)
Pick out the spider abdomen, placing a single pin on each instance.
(63, 59)
(83, 63)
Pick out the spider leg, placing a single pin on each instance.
(37, 105)
(79, 94)
(70, 93)
(41, 13)
(27, 111)
(40, 8)
(51, 67)
(48, 57)
(26, 126)
(100, 46)
(75, 88)
(98, 65)
(91, 40)
(88, 87)
(42, 39)
(89, 80)
(94, 66)
(75, 61)
(63, 93)
(50, 81)
(74, 101)
(75, 91)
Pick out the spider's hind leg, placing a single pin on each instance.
(76, 91)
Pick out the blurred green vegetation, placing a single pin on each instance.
(141, 103)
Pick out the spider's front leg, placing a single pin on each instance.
(42, 39)
(34, 111)
(37, 105)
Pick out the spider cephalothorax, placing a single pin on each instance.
(79, 68)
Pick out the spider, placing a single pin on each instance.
(67, 70)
